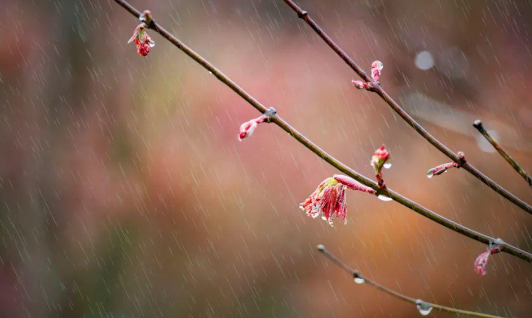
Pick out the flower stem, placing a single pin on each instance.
(405, 116)
(357, 274)
(478, 125)
(507, 248)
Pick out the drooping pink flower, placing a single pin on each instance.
(329, 200)
(436, 171)
(247, 128)
(482, 260)
(376, 70)
(142, 40)
(361, 85)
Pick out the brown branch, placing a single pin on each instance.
(478, 125)
(418, 302)
(507, 248)
(407, 118)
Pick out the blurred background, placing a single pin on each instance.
(124, 191)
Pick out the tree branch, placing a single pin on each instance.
(478, 125)
(485, 239)
(362, 279)
(403, 114)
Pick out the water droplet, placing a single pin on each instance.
(387, 165)
(383, 197)
(423, 308)
(210, 72)
(430, 173)
(359, 280)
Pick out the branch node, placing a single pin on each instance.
(269, 114)
(461, 159)
(478, 124)
(302, 14)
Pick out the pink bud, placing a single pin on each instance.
(436, 171)
(376, 69)
(361, 85)
(482, 260)
(247, 128)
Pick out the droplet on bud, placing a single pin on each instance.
(387, 165)
(423, 308)
(430, 173)
(359, 280)
(383, 197)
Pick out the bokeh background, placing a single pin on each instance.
(124, 191)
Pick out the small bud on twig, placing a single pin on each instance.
(247, 128)
(482, 260)
(378, 161)
(376, 70)
(436, 171)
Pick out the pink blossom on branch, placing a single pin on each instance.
(142, 40)
(482, 260)
(329, 200)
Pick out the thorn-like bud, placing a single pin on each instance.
(477, 123)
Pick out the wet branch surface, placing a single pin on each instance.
(357, 275)
(482, 238)
(405, 116)
(480, 127)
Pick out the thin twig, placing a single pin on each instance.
(477, 236)
(357, 275)
(407, 118)
(478, 125)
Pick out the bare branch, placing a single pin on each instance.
(421, 305)
(478, 125)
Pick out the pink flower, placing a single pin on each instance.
(142, 40)
(247, 128)
(482, 260)
(436, 171)
(376, 70)
(329, 200)
(361, 85)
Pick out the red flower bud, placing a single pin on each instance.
(247, 128)
(142, 40)
(361, 85)
(376, 70)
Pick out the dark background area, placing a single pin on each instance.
(124, 191)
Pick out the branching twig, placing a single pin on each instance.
(505, 247)
(478, 125)
(401, 112)
(422, 305)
